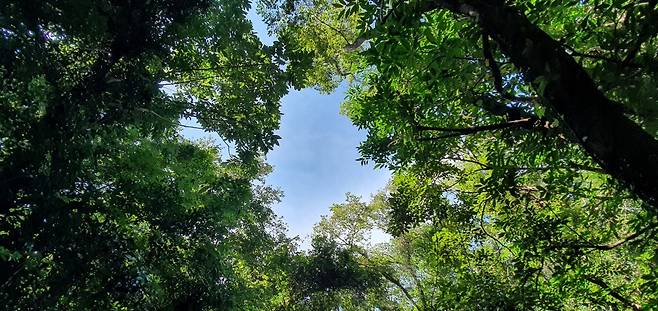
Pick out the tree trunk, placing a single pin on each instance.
(622, 148)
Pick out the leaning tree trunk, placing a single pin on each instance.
(619, 145)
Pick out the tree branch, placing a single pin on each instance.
(332, 28)
(598, 281)
(622, 242)
(495, 72)
(647, 31)
(611, 60)
(390, 278)
(570, 166)
(456, 132)
(619, 145)
(399, 285)
(247, 65)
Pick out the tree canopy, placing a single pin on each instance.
(522, 137)
(521, 134)
(104, 205)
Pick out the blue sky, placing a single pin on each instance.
(315, 163)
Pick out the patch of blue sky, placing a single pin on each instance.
(315, 163)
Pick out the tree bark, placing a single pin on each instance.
(620, 146)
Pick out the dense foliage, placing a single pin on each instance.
(521, 134)
(104, 205)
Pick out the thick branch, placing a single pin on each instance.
(612, 292)
(498, 108)
(389, 278)
(456, 132)
(618, 144)
(604, 58)
(495, 72)
(622, 242)
(399, 285)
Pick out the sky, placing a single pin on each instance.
(315, 162)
